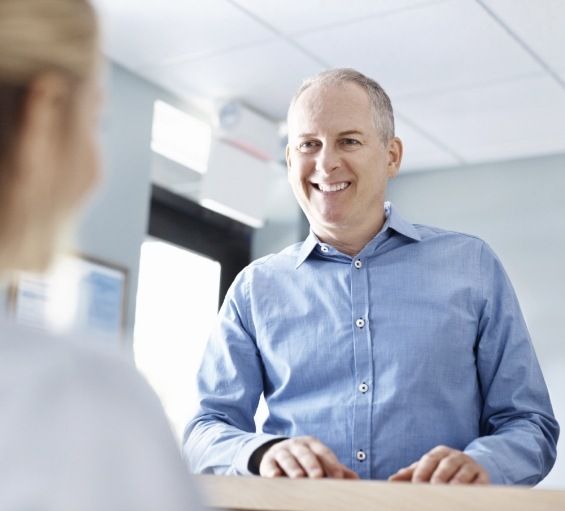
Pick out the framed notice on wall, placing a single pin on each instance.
(79, 293)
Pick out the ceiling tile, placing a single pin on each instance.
(306, 15)
(447, 64)
(510, 120)
(265, 77)
(419, 152)
(541, 25)
(140, 33)
(442, 46)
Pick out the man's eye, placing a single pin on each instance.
(308, 146)
(350, 141)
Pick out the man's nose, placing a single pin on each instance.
(328, 160)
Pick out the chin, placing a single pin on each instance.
(332, 219)
(328, 225)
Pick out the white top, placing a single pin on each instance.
(80, 430)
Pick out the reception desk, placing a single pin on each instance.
(258, 494)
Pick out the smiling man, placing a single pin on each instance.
(384, 350)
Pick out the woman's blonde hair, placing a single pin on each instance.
(36, 37)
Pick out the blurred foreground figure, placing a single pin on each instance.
(80, 429)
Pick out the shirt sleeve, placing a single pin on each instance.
(222, 437)
(518, 429)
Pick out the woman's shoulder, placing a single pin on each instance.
(84, 375)
(85, 410)
(31, 354)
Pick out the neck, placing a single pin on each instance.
(350, 240)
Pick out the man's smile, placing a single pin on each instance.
(331, 187)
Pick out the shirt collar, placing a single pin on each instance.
(394, 221)
(306, 249)
(401, 226)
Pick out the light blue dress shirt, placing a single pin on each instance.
(417, 341)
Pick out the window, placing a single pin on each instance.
(181, 137)
(177, 302)
(187, 264)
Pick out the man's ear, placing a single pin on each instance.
(287, 154)
(394, 155)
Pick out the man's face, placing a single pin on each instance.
(338, 166)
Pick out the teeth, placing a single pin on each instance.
(332, 188)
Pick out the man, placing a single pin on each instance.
(384, 349)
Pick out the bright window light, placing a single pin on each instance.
(177, 303)
(181, 137)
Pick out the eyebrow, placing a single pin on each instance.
(340, 134)
(349, 132)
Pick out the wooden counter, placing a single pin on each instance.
(259, 494)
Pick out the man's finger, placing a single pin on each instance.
(466, 474)
(482, 478)
(338, 471)
(426, 467)
(349, 474)
(404, 474)
(322, 450)
(270, 468)
(307, 460)
(288, 464)
(332, 466)
(447, 468)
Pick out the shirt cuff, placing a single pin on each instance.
(485, 459)
(241, 463)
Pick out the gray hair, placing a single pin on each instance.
(383, 116)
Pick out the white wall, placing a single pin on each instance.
(518, 207)
(113, 225)
(283, 220)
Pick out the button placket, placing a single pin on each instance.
(362, 345)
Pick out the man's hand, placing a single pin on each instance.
(443, 465)
(303, 456)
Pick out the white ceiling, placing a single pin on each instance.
(470, 80)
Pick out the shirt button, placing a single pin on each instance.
(324, 249)
(360, 323)
(363, 388)
(360, 455)
(358, 264)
